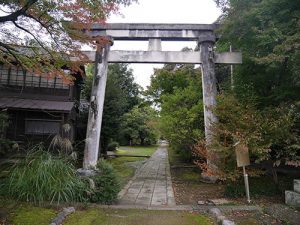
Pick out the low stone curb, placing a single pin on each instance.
(58, 220)
(221, 219)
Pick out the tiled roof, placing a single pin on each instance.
(34, 104)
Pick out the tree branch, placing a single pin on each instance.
(14, 16)
(10, 51)
(35, 38)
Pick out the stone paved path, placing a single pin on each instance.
(151, 185)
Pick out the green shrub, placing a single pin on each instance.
(112, 146)
(41, 177)
(107, 184)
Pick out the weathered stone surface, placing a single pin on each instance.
(119, 56)
(284, 213)
(220, 201)
(152, 185)
(86, 172)
(215, 212)
(209, 179)
(131, 31)
(297, 186)
(58, 219)
(292, 198)
(227, 222)
(154, 45)
(201, 202)
(62, 216)
(91, 149)
(220, 218)
(209, 89)
(153, 26)
(68, 210)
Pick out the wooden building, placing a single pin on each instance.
(37, 106)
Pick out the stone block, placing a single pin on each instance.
(292, 198)
(68, 210)
(227, 222)
(215, 212)
(297, 186)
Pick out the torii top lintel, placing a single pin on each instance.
(165, 32)
(155, 33)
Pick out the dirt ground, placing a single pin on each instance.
(189, 190)
(252, 218)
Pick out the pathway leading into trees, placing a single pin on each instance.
(151, 185)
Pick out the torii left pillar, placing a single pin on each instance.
(92, 143)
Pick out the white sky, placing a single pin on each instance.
(163, 11)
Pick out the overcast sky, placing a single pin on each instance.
(162, 11)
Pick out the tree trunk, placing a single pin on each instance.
(142, 141)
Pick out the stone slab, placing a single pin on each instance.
(152, 185)
(121, 56)
(292, 198)
(297, 186)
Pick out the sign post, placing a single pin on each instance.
(243, 160)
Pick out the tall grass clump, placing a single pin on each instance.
(42, 177)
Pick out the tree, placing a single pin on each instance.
(268, 134)
(163, 81)
(178, 90)
(268, 33)
(122, 94)
(139, 126)
(262, 111)
(51, 31)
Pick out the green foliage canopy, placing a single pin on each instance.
(268, 34)
(178, 90)
(121, 95)
(138, 125)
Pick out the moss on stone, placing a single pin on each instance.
(29, 215)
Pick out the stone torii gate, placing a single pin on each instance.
(154, 34)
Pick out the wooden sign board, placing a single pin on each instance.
(242, 155)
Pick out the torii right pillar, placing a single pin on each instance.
(209, 88)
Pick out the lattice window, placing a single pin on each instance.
(41, 127)
(16, 76)
(4, 74)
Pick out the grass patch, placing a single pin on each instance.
(29, 215)
(174, 157)
(136, 150)
(135, 217)
(190, 175)
(179, 171)
(126, 166)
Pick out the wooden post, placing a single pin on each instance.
(92, 145)
(231, 71)
(209, 88)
